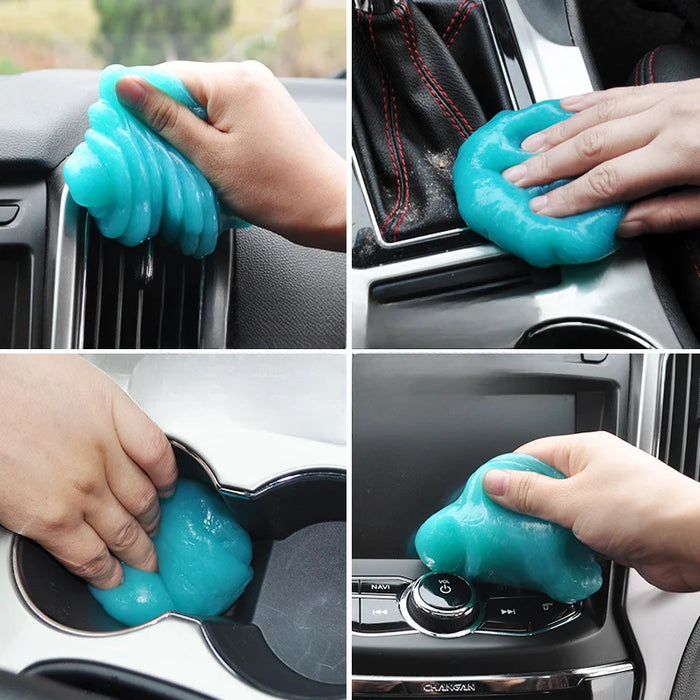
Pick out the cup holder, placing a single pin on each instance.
(286, 634)
(581, 334)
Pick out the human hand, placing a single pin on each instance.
(617, 499)
(260, 153)
(620, 145)
(80, 466)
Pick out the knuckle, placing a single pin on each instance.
(603, 181)
(87, 486)
(606, 109)
(525, 492)
(157, 447)
(590, 144)
(559, 133)
(54, 521)
(144, 502)
(126, 536)
(96, 565)
(673, 219)
(163, 116)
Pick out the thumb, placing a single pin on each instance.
(164, 115)
(530, 493)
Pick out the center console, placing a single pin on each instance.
(426, 74)
(422, 424)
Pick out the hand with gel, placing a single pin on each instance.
(483, 541)
(204, 559)
(136, 185)
(500, 211)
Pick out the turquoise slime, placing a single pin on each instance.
(483, 541)
(135, 184)
(500, 210)
(204, 560)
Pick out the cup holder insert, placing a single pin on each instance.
(581, 334)
(296, 600)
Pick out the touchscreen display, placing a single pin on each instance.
(421, 459)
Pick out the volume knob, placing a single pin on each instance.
(442, 604)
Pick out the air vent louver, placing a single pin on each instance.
(678, 445)
(146, 297)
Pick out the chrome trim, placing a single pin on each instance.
(63, 320)
(553, 70)
(646, 407)
(620, 329)
(504, 684)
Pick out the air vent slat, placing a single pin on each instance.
(149, 296)
(679, 439)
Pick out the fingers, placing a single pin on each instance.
(584, 151)
(123, 534)
(666, 214)
(85, 554)
(145, 443)
(530, 493)
(624, 178)
(136, 492)
(595, 108)
(165, 116)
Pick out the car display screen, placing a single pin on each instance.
(419, 461)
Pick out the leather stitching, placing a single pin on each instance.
(651, 64)
(438, 86)
(454, 18)
(461, 24)
(423, 78)
(435, 80)
(636, 71)
(399, 189)
(403, 165)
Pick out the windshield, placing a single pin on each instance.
(292, 37)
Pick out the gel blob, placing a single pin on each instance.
(483, 541)
(204, 560)
(136, 185)
(500, 211)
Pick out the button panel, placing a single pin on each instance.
(375, 604)
(525, 615)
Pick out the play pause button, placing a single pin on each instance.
(380, 615)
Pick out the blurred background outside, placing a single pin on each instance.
(292, 37)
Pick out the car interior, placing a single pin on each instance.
(422, 424)
(281, 471)
(425, 75)
(64, 286)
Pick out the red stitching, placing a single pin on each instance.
(423, 78)
(427, 70)
(692, 258)
(636, 72)
(454, 18)
(386, 124)
(404, 166)
(461, 24)
(651, 62)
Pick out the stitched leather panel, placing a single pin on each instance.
(425, 75)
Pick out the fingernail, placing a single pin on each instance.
(166, 493)
(515, 174)
(496, 482)
(571, 102)
(538, 204)
(131, 91)
(629, 229)
(534, 142)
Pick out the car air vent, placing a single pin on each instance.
(150, 296)
(678, 445)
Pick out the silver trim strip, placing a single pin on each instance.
(496, 684)
(553, 70)
(63, 311)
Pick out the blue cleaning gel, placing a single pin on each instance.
(483, 541)
(500, 211)
(136, 185)
(204, 560)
